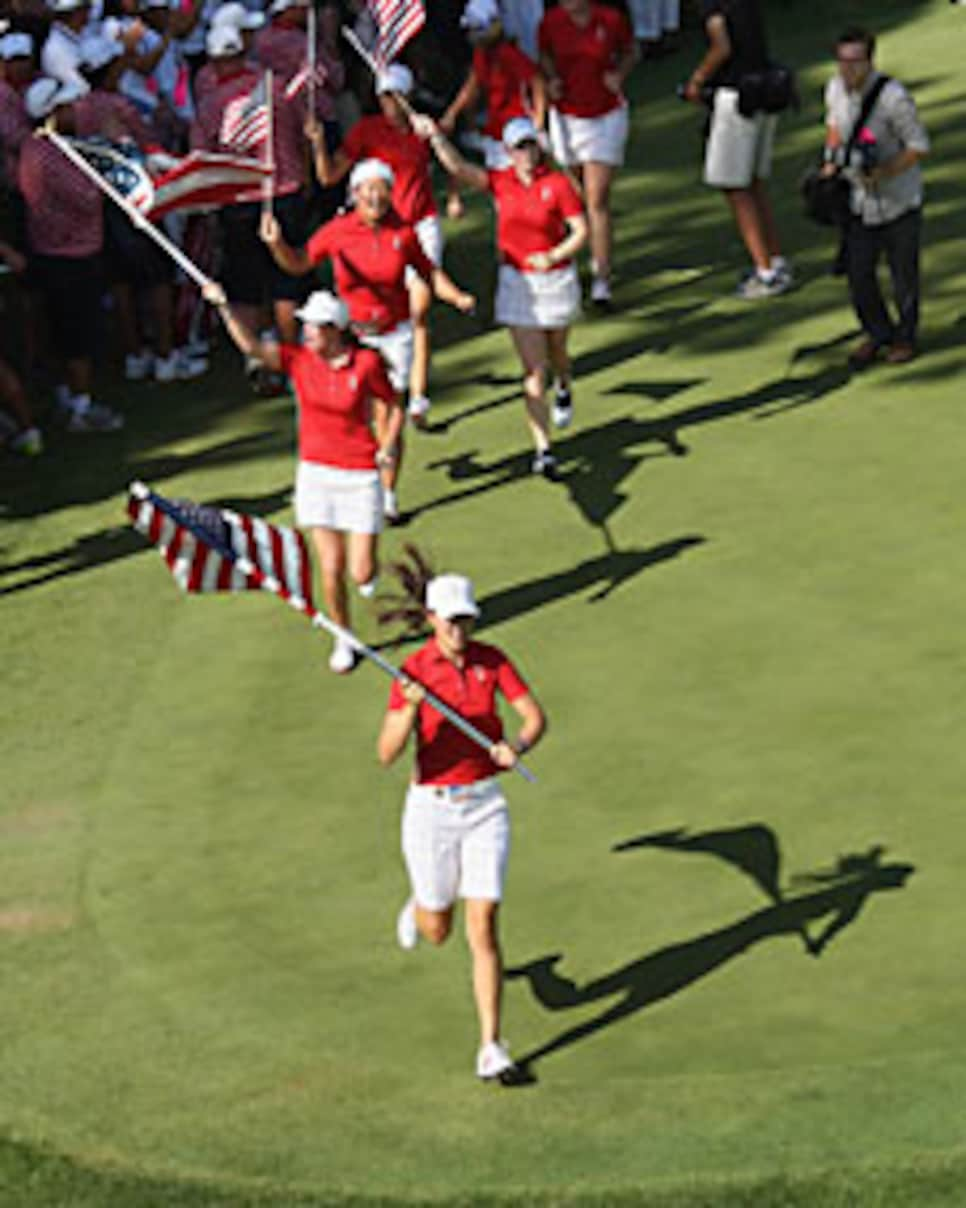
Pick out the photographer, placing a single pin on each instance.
(738, 154)
(886, 199)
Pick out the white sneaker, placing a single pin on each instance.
(418, 409)
(138, 366)
(544, 463)
(562, 411)
(756, 288)
(189, 365)
(494, 1061)
(407, 933)
(600, 293)
(368, 590)
(94, 418)
(166, 368)
(343, 658)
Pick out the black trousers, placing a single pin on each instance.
(900, 241)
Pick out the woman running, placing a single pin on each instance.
(349, 424)
(540, 228)
(371, 249)
(587, 52)
(386, 136)
(455, 827)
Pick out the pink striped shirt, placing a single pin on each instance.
(65, 211)
(284, 49)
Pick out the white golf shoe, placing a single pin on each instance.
(407, 933)
(493, 1061)
(342, 658)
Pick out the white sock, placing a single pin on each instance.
(767, 275)
(778, 264)
(368, 590)
(388, 499)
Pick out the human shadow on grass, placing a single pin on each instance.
(112, 544)
(840, 895)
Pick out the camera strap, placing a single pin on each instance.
(868, 104)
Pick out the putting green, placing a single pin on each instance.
(741, 608)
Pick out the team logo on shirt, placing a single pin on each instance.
(480, 674)
(546, 193)
(353, 383)
(600, 33)
(396, 243)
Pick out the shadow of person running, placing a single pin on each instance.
(842, 893)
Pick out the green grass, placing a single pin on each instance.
(202, 1002)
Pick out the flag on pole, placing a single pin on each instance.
(121, 165)
(215, 549)
(205, 180)
(303, 78)
(245, 122)
(397, 21)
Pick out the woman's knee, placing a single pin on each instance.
(535, 381)
(481, 926)
(434, 925)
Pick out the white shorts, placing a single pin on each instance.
(429, 232)
(581, 140)
(739, 148)
(547, 300)
(347, 501)
(456, 841)
(396, 347)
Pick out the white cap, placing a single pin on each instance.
(394, 78)
(236, 14)
(519, 130)
(323, 308)
(44, 95)
(451, 596)
(97, 51)
(4, 25)
(280, 6)
(67, 6)
(16, 46)
(480, 14)
(370, 169)
(224, 42)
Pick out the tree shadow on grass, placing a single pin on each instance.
(112, 544)
(842, 893)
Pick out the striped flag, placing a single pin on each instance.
(245, 120)
(205, 180)
(214, 549)
(397, 21)
(303, 78)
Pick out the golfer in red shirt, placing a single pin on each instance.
(371, 249)
(587, 52)
(349, 424)
(456, 827)
(540, 227)
(386, 136)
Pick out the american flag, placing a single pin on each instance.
(205, 180)
(245, 121)
(122, 166)
(214, 549)
(302, 78)
(397, 22)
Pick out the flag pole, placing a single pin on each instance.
(268, 184)
(312, 52)
(319, 621)
(140, 221)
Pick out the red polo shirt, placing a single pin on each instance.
(444, 755)
(531, 218)
(582, 55)
(335, 404)
(369, 264)
(409, 157)
(503, 72)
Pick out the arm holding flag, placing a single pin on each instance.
(245, 340)
(329, 168)
(454, 163)
(289, 259)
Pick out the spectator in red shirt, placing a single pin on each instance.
(509, 83)
(587, 52)
(65, 234)
(387, 136)
(250, 276)
(349, 424)
(16, 71)
(371, 249)
(456, 827)
(540, 228)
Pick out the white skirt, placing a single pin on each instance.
(347, 501)
(548, 300)
(581, 140)
(396, 349)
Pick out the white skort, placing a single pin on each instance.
(429, 232)
(348, 501)
(396, 347)
(582, 140)
(548, 300)
(739, 148)
(456, 841)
